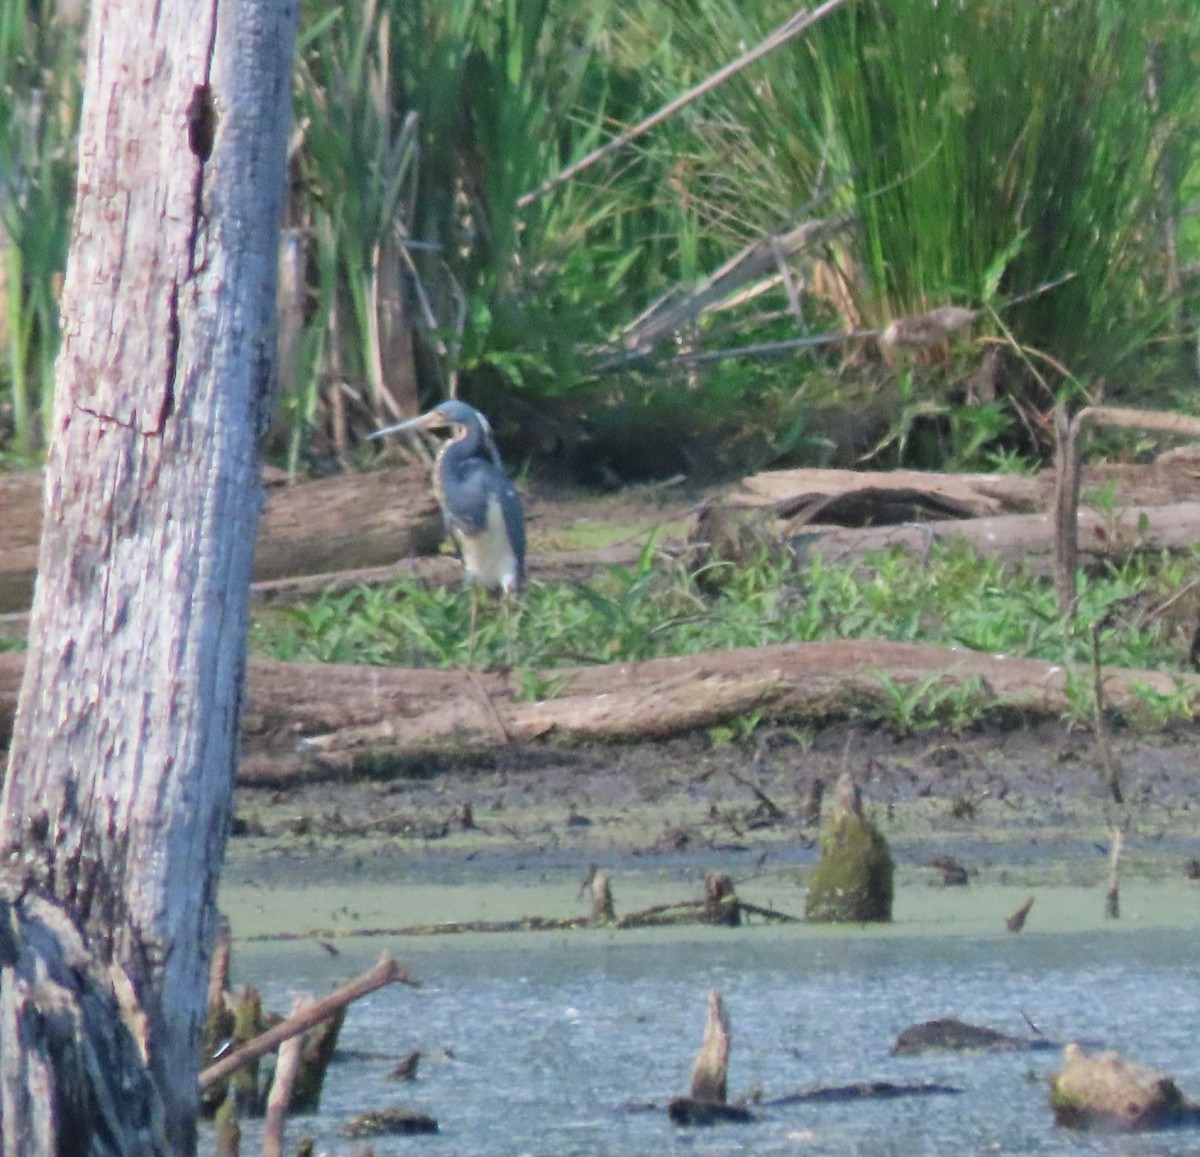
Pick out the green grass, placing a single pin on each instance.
(956, 598)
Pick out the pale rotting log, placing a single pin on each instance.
(1108, 1092)
(853, 881)
(324, 721)
(333, 524)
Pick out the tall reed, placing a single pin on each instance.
(39, 115)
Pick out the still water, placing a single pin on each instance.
(558, 1041)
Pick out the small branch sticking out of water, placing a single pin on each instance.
(1112, 902)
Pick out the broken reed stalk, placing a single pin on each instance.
(790, 28)
(1067, 474)
(1111, 768)
(281, 1086)
(1112, 900)
(387, 971)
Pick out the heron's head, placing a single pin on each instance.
(463, 420)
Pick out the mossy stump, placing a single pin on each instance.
(852, 883)
(1108, 1092)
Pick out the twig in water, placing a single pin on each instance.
(387, 971)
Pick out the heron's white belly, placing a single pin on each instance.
(488, 559)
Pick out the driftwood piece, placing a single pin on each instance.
(286, 1067)
(1108, 1092)
(387, 971)
(949, 1034)
(339, 523)
(325, 720)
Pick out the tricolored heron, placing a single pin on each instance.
(480, 505)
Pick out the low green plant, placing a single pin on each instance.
(656, 608)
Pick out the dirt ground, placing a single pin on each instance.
(995, 793)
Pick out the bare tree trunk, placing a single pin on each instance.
(116, 805)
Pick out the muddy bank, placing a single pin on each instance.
(511, 833)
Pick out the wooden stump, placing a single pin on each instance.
(1108, 1092)
(720, 901)
(711, 1069)
(852, 883)
(706, 1105)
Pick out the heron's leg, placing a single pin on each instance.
(507, 599)
(471, 632)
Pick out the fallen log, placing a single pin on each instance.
(338, 523)
(323, 721)
(1025, 540)
(1173, 477)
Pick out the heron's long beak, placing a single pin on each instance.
(427, 421)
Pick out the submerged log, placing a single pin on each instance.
(862, 1091)
(390, 1123)
(852, 883)
(1108, 1092)
(949, 1034)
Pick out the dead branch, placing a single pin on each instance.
(791, 28)
(1112, 899)
(387, 971)
(1067, 472)
(281, 1086)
